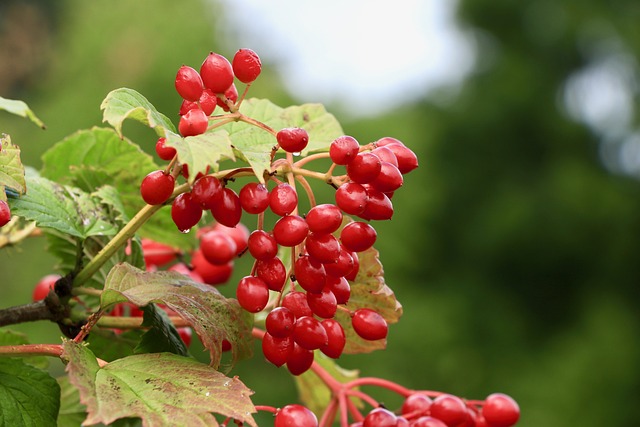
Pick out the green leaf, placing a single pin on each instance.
(161, 336)
(62, 208)
(121, 104)
(160, 388)
(72, 413)
(369, 290)
(313, 392)
(213, 316)
(11, 168)
(9, 337)
(202, 152)
(107, 345)
(28, 396)
(19, 108)
(321, 126)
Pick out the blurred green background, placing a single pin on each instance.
(514, 245)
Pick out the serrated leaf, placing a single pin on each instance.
(160, 388)
(369, 290)
(9, 337)
(313, 392)
(28, 396)
(124, 103)
(161, 336)
(202, 152)
(20, 108)
(62, 208)
(213, 316)
(11, 167)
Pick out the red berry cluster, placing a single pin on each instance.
(446, 410)
(5, 213)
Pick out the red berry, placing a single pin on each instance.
(323, 247)
(44, 285)
(364, 167)
(380, 417)
(164, 152)
(336, 338)
(254, 198)
(325, 218)
(217, 247)
(216, 72)
(246, 65)
(277, 350)
(183, 269)
(189, 83)
(207, 191)
(369, 325)
(292, 140)
(262, 245)
(389, 179)
(290, 230)
(156, 253)
(386, 155)
(283, 199)
(343, 149)
(500, 410)
(296, 302)
(343, 265)
(407, 159)
(194, 122)
(211, 274)
(416, 404)
(231, 95)
(227, 209)
(5, 213)
(309, 333)
(310, 274)
(157, 187)
(352, 198)
(356, 267)
(379, 205)
(340, 288)
(273, 272)
(300, 360)
(427, 422)
(280, 322)
(323, 304)
(295, 416)
(449, 409)
(358, 236)
(185, 334)
(185, 212)
(239, 233)
(252, 294)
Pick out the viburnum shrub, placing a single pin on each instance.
(143, 247)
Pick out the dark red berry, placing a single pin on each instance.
(336, 338)
(207, 103)
(273, 272)
(277, 350)
(416, 404)
(262, 245)
(283, 199)
(427, 421)
(185, 334)
(325, 218)
(189, 83)
(157, 187)
(449, 409)
(389, 179)
(164, 152)
(246, 65)
(216, 72)
(310, 274)
(369, 325)
(358, 236)
(323, 247)
(217, 247)
(500, 410)
(364, 168)
(227, 209)
(5, 213)
(295, 416)
(157, 254)
(231, 96)
(252, 294)
(340, 288)
(44, 285)
(343, 265)
(378, 207)
(300, 360)
(280, 322)
(356, 267)
(407, 159)
(296, 302)
(292, 140)
(185, 212)
(351, 197)
(207, 191)
(386, 155)
(254, 197)
(343, 149)
(309, 333)
(194, 122)
(323, 304)
(290, 230)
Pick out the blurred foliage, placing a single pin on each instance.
(513, 249)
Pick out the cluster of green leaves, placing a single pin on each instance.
(86, 200)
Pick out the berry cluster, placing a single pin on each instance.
(446, 410)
